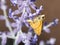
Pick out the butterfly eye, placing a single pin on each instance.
(43, 17)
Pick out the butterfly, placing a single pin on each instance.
(37, 24)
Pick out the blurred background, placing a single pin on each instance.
(51, 9)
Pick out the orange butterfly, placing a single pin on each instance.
(37, 23)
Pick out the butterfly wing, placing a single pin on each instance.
(38, 29)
